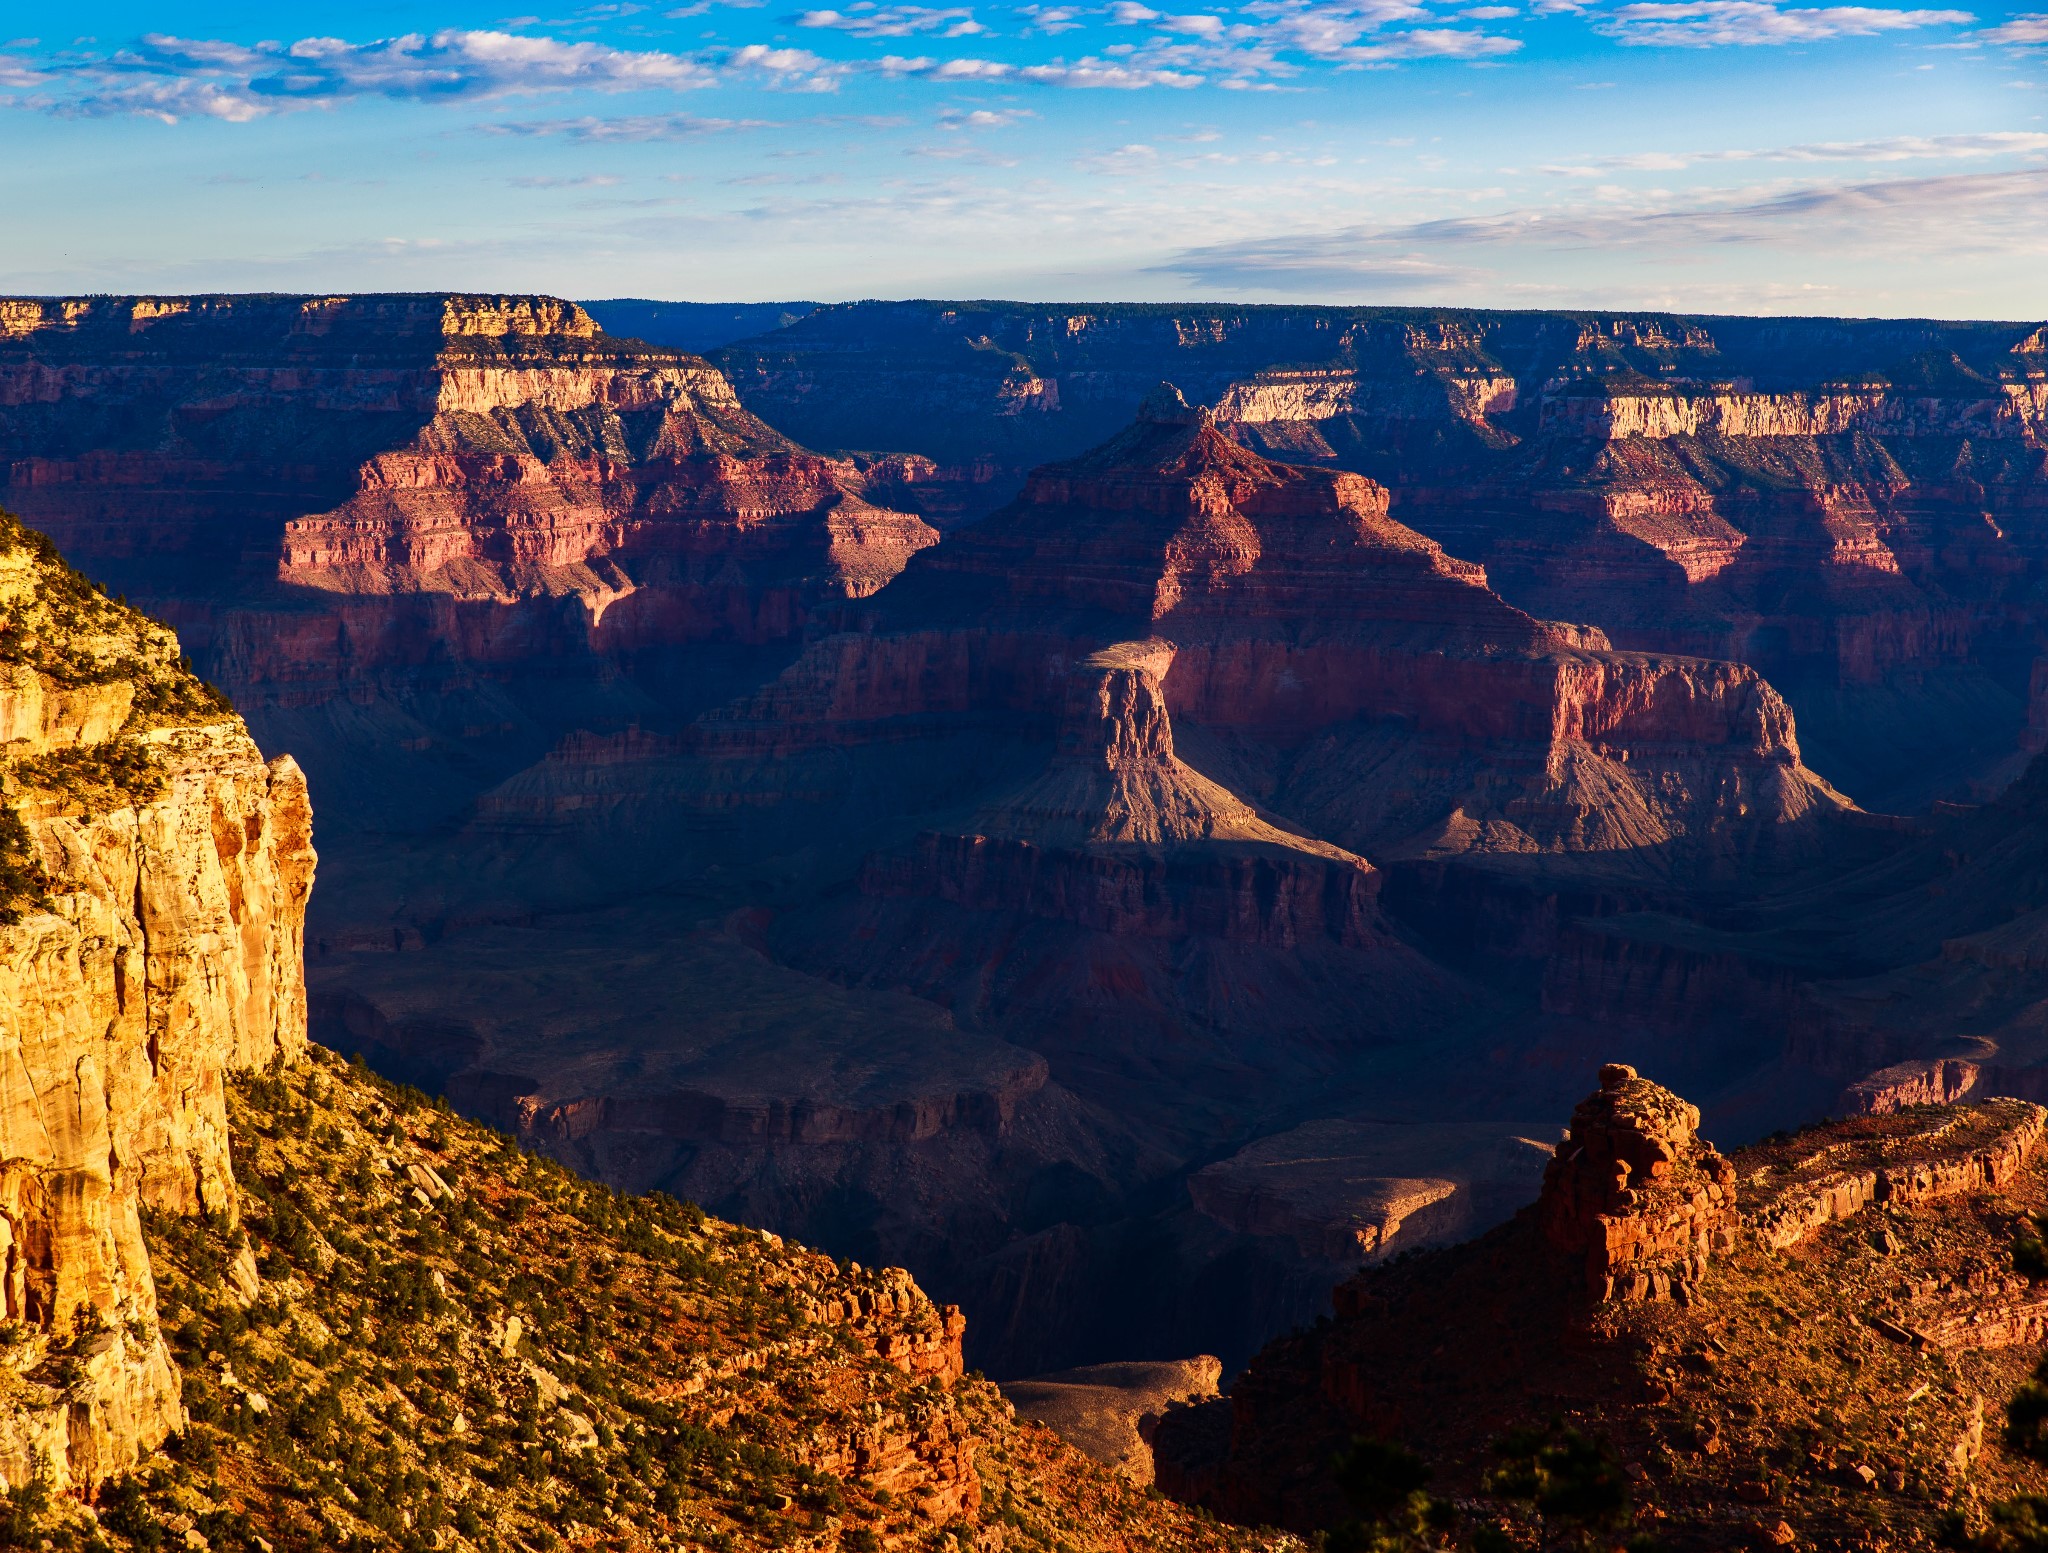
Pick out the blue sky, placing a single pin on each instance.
(1709, 155)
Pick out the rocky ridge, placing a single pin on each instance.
(426, 506)
(1799, 1343)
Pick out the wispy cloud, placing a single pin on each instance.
(935, 69)
(895, 21)
(1896, 148)
(587, 181)
(1988, 213)
(1353, 32)
(630, 127)
(1712, 23)
(1082, 73)
(983, 118)
(2020, 29)
(1200, 24)
(1052, 18)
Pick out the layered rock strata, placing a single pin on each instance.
(1331, 1186)
(448, 511)
(1921, 1156)
(1850, 506)
(1411, 708)
(1111, 1410)
(152, 947)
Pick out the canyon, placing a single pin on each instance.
(915, 781)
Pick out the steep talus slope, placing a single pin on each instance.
(1852, 507)
(1810, 1342)
(153, 881)
(419, 1336)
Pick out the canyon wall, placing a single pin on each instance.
(1637, 1314)
(473, 523)
(1851, 507)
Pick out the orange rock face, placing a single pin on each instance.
(1695, 1359)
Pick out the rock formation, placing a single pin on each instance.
(151, 946)
(176, 1160)
(1105, 780)
(1635, 1192)
(1348, 1192)
(1110, 1410)
(691, 812)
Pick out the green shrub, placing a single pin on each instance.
(23, 884)
(2026, 1416)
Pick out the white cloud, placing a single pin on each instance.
(1435, 43)
(928, 68)
(1051, 18)
(1123, 162)
(895, 21)
(588, 181)
(1092, 73)
(983, 118)
(1708, 23)
(2020, 29)
(788, 69)
(172, 78)
(1327, 30)
(1080, 73)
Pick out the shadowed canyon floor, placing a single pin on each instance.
(1213, 862)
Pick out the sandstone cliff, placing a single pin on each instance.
(158, 872)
